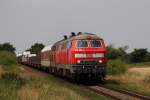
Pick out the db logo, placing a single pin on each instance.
(88, 55)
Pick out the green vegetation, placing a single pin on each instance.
(34, 85)
(149, 56)
(50, 88)
(36, 48)
(7, 47)
(116, 53)
(142, 87)
(139, 55)
(128, 71)
(147, 79)
(142, 64)
(115, 67)
(7, 58)
(11, 76)
(9, 89)
(10, 79)
(136, 78)
(10, 83)
(17, 83)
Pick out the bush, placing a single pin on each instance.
(36, 48)
(147, 79)
(7, 58)
(10, 84)
(139, 55)
(10, 76)
(116, 53)
(7, 47)
(149, 56)
(115, 67)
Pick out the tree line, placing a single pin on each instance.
(7, 47)
(136, 56)
(34, 49)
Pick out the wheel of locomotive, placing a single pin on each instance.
(50, 70)
(55, 71)
(97, 79)
(63, 73)
(47, 69)
(60, 72)
(67, 75)
(75, 78)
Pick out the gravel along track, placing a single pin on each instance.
(116, 94)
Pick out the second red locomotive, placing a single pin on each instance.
(74, 57)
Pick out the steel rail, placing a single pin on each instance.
(117, 94)
(129, 93)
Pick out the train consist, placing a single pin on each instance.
(78, 56)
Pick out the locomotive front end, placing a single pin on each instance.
(89, 58)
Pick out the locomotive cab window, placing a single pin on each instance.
(68, 45)
(82, 43)
(95, 43)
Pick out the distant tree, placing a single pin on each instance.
(7, 47)
(115, 53)
(149, 56)
(112, 53)
(36, 48)
(139, 55)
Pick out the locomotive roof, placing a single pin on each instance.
(85, 36)
(80, 37)
(47, 48)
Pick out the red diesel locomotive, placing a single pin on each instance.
(81, 55)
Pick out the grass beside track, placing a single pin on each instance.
(136, 79)
(140, 64)
(40, 86)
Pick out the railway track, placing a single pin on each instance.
(117, 94)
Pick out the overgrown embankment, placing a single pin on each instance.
(18, 82)
(10, 79)
(116, 67)
(7, 58)
(132, 77)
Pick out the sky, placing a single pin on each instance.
(119, 22)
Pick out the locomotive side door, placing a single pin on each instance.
(68, 51)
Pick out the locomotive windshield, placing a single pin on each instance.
(82, 43)
(95, 43)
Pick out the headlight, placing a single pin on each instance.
(100, 61)
(80, 55)
(78, 61)
(98, 55)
